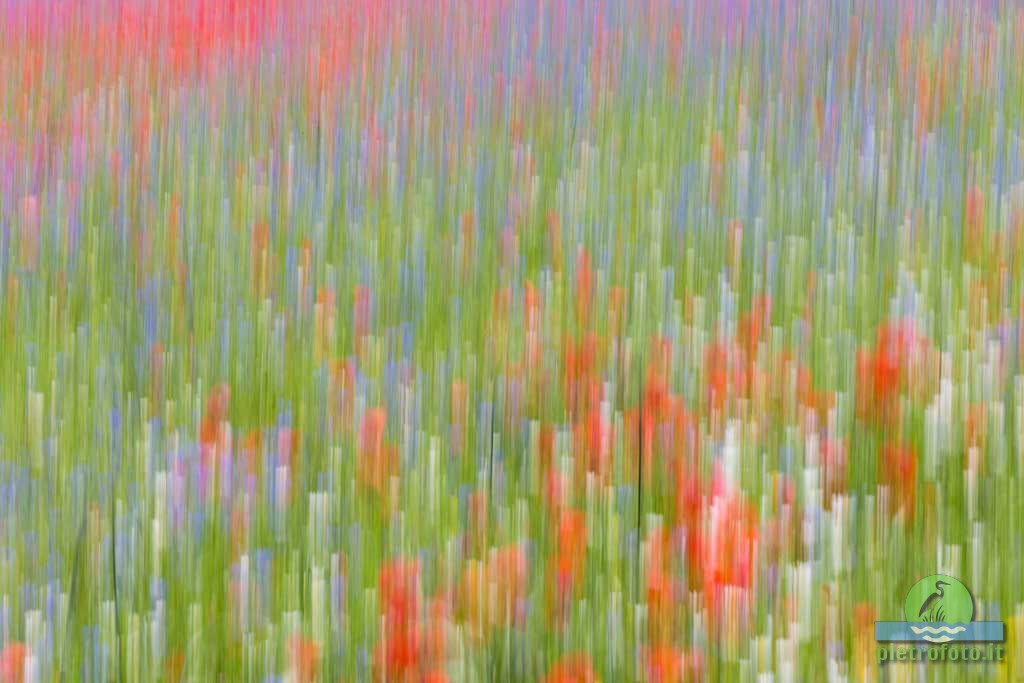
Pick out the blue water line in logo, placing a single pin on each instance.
(933, 632)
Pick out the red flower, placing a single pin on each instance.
(507, 573)
(595, 440)
(661, 592)
(568, 562)
(899, 472)
(398, 653)
(12, 663)
(752, 325)
(377, 462)
(572, 669)
(833, 462)
(572, 533)
(212, 435)
(730, 546)
(664, 665)
(886, 370)
(399, 580)
(305, 657)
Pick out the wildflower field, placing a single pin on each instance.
(506, 340)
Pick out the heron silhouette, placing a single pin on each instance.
(931, 608)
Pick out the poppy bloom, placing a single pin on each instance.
(507, 575)
(12, 662)
(899, 473)
(575, 668)
(572, 533)
(251, 449)
(661, 592)
(398, 653)
(305, 659)
(399, 590)
(595, 437)
(833, 462)
(556, 490)
(377, 461)
(435, 639)
(729, 546)
(213, 435)
(900, 360)
(665, 664)
(568, 561)
(725, 375)
(580, 363)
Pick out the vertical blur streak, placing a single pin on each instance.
(337, 308)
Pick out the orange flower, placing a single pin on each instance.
(507, 573)
(397, 655)
(661, 593)
(833, 462)
(489, 594)
(435, 639)
(251, 447)
(725, 374)
(899, 472)
(730, 547)
(12, 662)
(212, 434)
(217, 404)
(175, 665)
(377, 462)
(473, 598)
(575, 668)
(664, 665)
(555, 490)
(399, 580)
(595, 437)
(305, 658)
(572, 533)
(568, 561)
(883, 372)
(864, 616)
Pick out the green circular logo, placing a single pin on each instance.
(939, 598)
